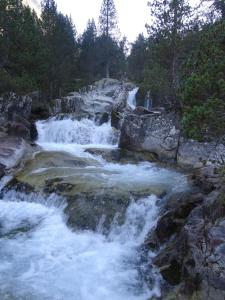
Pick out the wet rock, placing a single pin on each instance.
(177, 212)
(12, 104)
(171, 271)
(95, 101)
(192, 154)
(33, 131)
(110, 155)
(194, 251)
(2, 170)
(116, 119)
(96, 211)
(140, 110)
(18, 186)
(104, 119)
(19, 130)
(13, 150)
(15, 115)
(207, 179)
(152, 132)
(122, 156)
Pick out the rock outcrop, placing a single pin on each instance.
(159, 133)
(192, 154)
(151, 132)
(95, 101)
(190, 236)
(13, 150)
(16, 130)
(15, 116)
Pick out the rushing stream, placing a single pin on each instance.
(86, 242)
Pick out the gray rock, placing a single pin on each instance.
(19, 130)
(93, 101)
(2, 170)
(13, 150)
(11, 105)
(156, 133)
(192, 154)
(15, 113)
(193, 256)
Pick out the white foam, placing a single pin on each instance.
(132, 98)
(41, 258)
(69, 131)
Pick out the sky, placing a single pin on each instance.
(132, 14)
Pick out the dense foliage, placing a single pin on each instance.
(203, 86)
(182, 64)
(44, 53)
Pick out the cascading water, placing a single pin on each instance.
(132, 98)
(42, 258)
(69, 131)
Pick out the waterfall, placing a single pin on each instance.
(148, 101)
(46, 252)
(132, 98)
(69, 131)
(42, 259)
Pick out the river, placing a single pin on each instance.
(79, 234)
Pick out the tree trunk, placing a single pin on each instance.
(107, 70)
(107, 41)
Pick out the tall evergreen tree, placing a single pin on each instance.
(60, 49)
(171, 21)
(137, 59)
(88, 54)
(108, 27)
(20, 47)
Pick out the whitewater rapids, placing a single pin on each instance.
(42, 258)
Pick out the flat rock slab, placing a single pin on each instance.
(13, 150)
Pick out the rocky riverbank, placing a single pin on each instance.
(189, 237)
(190, 234)
(159, 132)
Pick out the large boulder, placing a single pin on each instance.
(15, 116)
(12, 105)
(159, 132)
(153, 132)
(93, 101)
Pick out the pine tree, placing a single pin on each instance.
(171, 23)
(137, 59)
(88, 54)
(60, 49)
(20, 47)
(108, 27)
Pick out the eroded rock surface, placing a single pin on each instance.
(13, 150)
(155, 133)
(159, 133)
(192, 232)
(95, 101)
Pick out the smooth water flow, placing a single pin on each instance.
(55, 249)
(132, 98)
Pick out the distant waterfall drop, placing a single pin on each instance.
(132, 98)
